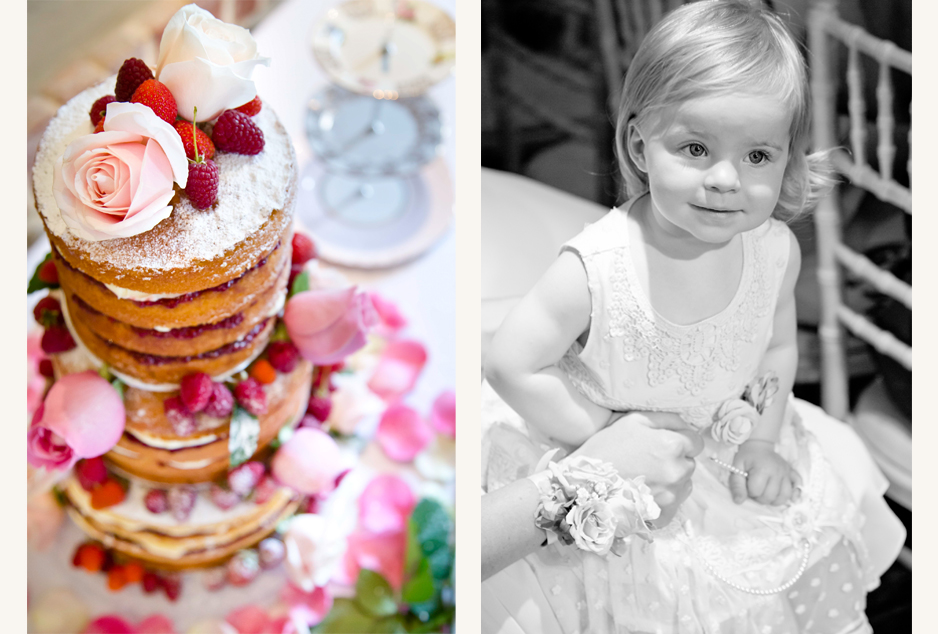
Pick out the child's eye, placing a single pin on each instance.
(757, 157)
(696, 150)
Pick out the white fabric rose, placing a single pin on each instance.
(734, 422)
(207, 63)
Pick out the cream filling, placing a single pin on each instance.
(162, 443)
(138, 296)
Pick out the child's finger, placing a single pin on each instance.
(770, 492)
(738, 487)
(796, 484)
(755, 483)
(784, 492)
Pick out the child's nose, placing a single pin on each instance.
(722, 177)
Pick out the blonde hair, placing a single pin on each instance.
(716, 47)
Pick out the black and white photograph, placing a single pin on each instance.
(696, 261)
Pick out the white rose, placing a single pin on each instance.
(207, 63)
(314, 550)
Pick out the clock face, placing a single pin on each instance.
(373, 47)
(364, 136)
(367, 203)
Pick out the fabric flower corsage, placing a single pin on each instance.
(585, 502)
(119, 182)
(82, 417)
(734, 421)
(761, 391)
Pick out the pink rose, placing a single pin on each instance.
(352, 403)
(315, 548)
(385, 505)
(733, 422)
(402, 433)
(207, 63)
(82, 417)
(308, 462)
(328, 325)
(443, 413)
(398, 368)
(119, 182)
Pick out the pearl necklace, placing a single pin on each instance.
(804, 565)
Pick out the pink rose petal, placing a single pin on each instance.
(250, 619)
(308, 462)
(385, 505)
(398, 369)
(310, 607)
(156, 624)
(381, 553)
(109, 624)
(392, 321)
(402, 433)
(328, 325)
(35, 382)
(443, 413)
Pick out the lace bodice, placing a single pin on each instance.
(634, 359)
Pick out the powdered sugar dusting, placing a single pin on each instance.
(250, 188)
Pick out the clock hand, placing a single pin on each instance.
(364, 192)
(375, 127)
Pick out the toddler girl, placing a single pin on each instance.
(682, 302)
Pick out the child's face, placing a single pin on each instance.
(715, 165)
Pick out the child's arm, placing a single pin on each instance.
(533, 337)
(771, 479)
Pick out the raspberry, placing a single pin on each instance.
(46, 369)
(270, 552)
(265, 489)
(90, 473)
(224, 498)
(251, 108)
(156, 501)
(48, 273)
(283, 355)
(133, 72)
(263, 371)
(156, 95)
(116, 578)
(172, 585)
(108, 494)
(179, 417)
(56, 339)
(319, 407)
(151, 582)
(304, 249)
(244, 478)
(48, 312)
(220, 403)
(250, 395)
(181, 501)
(89, 556)
(215, 578)
(206, 147)
(133, 572)
(243, 567)
(99, 108)
(202, 186)
(235, 132)
(195, 390)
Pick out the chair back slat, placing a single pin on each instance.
(884, 341)
(880, 279)
(885, 122)
(856, 106)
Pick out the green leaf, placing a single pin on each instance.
(414, 554)
(433, 525)
(435, 623)
(391, 625)
(346, 616)
(374, 594)
(280, 332)
(119, 386)
(420, 586)
(35, 284)
(242, 436)
(441, 562)
(300, 283)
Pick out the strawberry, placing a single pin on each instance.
(116, 578)
(195, 390)
(134, 571)
(250, 395)
(303, 248)
(99, 127)
(48, 312)
(202, 186)
(108, 494)
(90, 556)
(206, 147)
(48, 273)
(235, 132)
(132, 73)
(250, 108)
(283, 355)
(56, 339)
(263, 371)
(156, 96)
(99, 108)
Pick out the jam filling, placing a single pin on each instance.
(188, 332)
(172, 302)
(152, 359)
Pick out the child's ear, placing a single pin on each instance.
(635, 144)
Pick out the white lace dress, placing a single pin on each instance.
(718, 567)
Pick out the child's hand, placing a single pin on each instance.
(771, 479)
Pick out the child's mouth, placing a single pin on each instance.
(714, 210)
